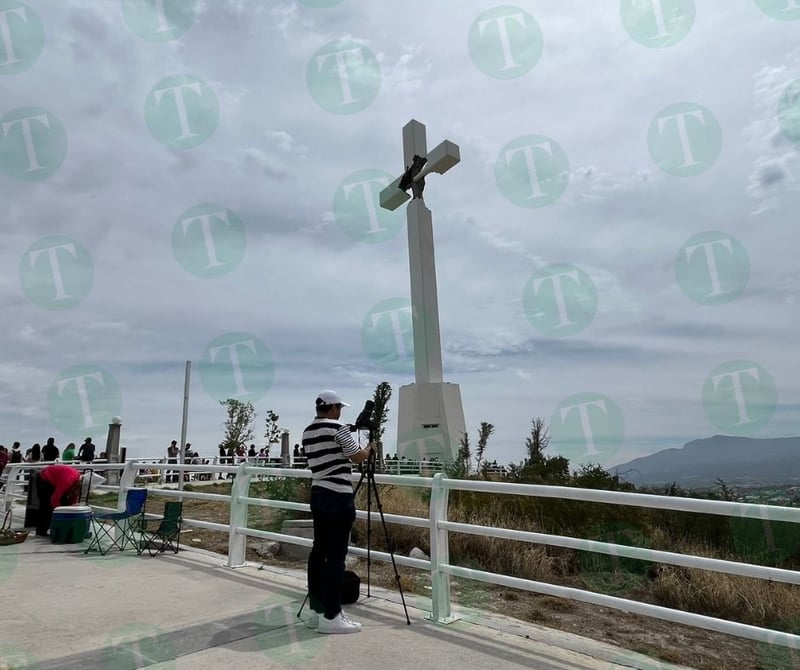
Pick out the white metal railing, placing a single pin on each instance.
(439, 527)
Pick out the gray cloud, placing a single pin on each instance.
(304, 287)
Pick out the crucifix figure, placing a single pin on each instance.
(430, 415)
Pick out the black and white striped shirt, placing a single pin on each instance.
(328, 443)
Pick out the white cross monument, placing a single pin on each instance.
(430, 415)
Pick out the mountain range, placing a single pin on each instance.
(743, 461)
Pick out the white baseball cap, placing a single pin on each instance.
(330, 398)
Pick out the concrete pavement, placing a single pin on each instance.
(62, 609)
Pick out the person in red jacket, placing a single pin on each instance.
(56, 485)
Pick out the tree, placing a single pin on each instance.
(538, 468)
(383, 392)
(239, 425)
(484, 432)
(724, 491)
(274, 431)
(537, 441)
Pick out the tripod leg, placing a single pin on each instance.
(300, 611)
(369, 537)
(374, 487)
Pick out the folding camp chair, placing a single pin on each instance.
(167, 533)
(123, 524)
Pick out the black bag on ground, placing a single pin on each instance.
(351, 588)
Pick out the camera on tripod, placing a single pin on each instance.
(364, 420)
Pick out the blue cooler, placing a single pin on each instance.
(70, 524)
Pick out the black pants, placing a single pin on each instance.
(333, 514)
(45, 492)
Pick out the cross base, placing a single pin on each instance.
(430, 421)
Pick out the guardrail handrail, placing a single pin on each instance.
(439, 527)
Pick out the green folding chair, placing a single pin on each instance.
(124, 525)
(166, 535)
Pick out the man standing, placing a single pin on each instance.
(86, 452)
(330, 448)
(50, 450)
(223, 457)
(172, 458)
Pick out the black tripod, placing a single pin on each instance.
(368, 473)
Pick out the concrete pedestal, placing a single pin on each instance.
(430, 421)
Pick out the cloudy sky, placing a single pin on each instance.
(198, 180)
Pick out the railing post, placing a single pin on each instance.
(237, 542)
(11, 483)
(126, 481)
(440, 553)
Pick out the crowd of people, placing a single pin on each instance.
(49, 453)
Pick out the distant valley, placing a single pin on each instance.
(740, 461)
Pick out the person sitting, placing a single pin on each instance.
(69, 452)
(34, 454)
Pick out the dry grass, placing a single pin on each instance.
(746, 600)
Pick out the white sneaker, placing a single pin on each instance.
(337, 625)
(313, 620)
(352, 621)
